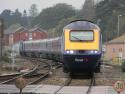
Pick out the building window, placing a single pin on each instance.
(34, 34)
(113, 50)
(26, 34)
(120, 49)
(30, 36)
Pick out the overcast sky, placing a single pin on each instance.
(41, 4)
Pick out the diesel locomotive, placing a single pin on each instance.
(79, 47)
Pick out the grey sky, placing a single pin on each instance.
(41, 4)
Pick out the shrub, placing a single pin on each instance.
(6, 58)
(123, 65)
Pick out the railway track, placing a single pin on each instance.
(70, 81)
(67, 83)
(48, 68)
(92, 83)
(42, 70)
(5, 77)
(9, 79)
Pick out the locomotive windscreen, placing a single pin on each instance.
(81, 35)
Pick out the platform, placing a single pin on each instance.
(51, 89)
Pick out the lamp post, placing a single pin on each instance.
(118, 25)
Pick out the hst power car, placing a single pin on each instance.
(81, 47)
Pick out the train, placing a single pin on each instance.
(79, 48)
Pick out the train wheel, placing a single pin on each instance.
(97, 69)
(65, 70)
(91, 74)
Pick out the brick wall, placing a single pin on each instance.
(16, 37)
(38, 35)
(24, 36)
(114, 50)
(6, 39)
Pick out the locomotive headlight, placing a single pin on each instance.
(67, 52)
(92, 52)
(71, 51)
(96, 52)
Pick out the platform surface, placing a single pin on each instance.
(51, 89)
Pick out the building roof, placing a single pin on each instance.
(37, 28)
(120, 39)
(14, 29)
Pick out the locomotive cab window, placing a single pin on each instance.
(81, 36)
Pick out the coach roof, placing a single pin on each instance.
(82, 24)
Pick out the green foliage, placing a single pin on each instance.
(33, 10)
(107, 11)
(14, 17)
(25, 20)
(50, 17)
(5, 58)
(88, 11)
(57, 31)
(6, 15)
(123, 66)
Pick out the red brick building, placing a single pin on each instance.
(116, 48)
(15, 35)
(20, 34)
(37, 33)
(6, 39)
(8, 35)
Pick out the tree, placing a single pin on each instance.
(57, 31)
(6, 15)
(88, 11)
(24, 19)
(33, 10)
(108, 11)
(11, 17)
(51, 16)
(16, 16)
(24, 13)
